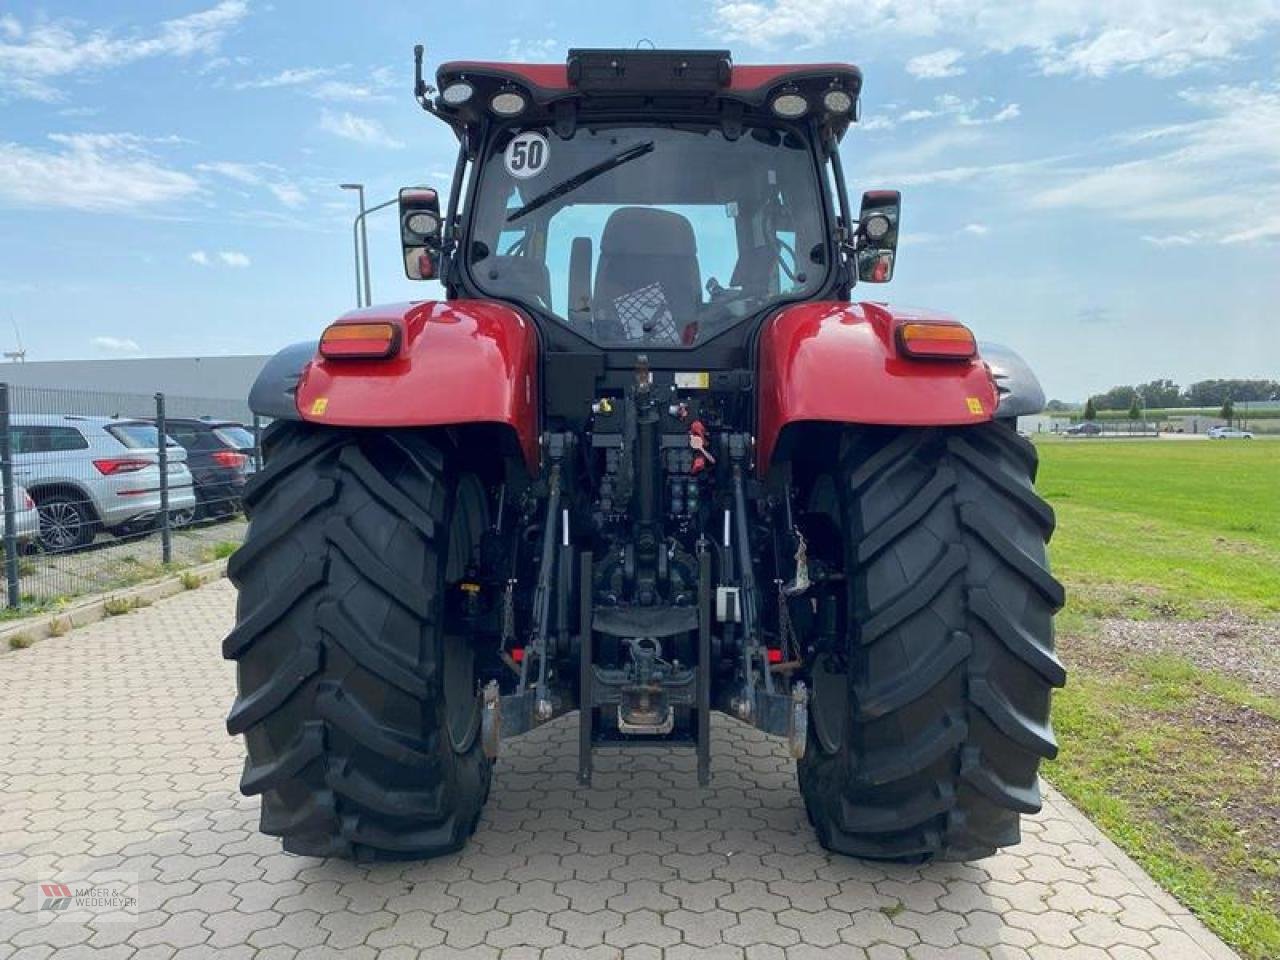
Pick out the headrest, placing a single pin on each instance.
(647, 232)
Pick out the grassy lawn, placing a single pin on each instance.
(1178, 763)
(1165, 527)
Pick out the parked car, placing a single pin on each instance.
(220, 457)
(26, 518)
(87, 474)
(1229, 433)
(1086, 429)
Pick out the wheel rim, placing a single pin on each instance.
(182, 518)
(61, 524)
(829, 702)
(829, 705)
(462, 705)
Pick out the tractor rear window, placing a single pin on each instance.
(653, 236)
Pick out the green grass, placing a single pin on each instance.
(221, 550)
(1175, 763)
(1165, 527)
(1143, 755)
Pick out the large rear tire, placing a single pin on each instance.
(359, 711)
(929, 722)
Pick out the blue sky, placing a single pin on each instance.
(1095, 184)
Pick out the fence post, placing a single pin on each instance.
(10, 518)
(257, 442)
(166, 541)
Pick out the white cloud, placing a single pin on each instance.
(32, 57)
(976, 229)
(292, 77)
(1010, 111)
(96, 172)
(343, 90)
(878, 122)
(1222, 169)
(268, 176)
(534, 51)
(116, 345)
(320, 83)
(936, 65)
(358, 129)
(228, 258)
(290, 194)
(1081, 37)
(1174, 239)
(971, 112)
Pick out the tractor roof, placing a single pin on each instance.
(603, 82)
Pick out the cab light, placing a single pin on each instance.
(508, 103)
(789, 105)
(837, 101)
(937, 341)
(457, 93)
(360, 341)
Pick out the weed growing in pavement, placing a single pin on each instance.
(191, 581)
(118, 606)
(222, 549)
(20, 641)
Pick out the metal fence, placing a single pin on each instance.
(94, 499)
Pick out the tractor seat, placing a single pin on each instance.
(648, 285)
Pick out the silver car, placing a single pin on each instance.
(87, 474)
(26, 518)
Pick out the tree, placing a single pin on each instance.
(1212, 393)
(1135, 412)
(1228, 410)
(1117, 398)
(1160, 393)
(1090, 410)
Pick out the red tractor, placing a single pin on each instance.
(646, 460)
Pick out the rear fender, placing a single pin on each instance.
(460, 362)
(840, 363)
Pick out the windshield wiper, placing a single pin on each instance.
(578, 179)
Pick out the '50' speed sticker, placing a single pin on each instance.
(527, 155)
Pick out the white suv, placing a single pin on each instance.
(92, 473)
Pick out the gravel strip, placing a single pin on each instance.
(1246, 649)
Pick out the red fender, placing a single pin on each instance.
(840, 362)
(461, 361)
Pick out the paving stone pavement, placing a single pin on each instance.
(115, 762)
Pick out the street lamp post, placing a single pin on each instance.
(361, 244)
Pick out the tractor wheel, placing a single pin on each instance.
(929, 721)
(359, 711)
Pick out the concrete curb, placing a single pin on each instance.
(83, 612)
(1190, 924)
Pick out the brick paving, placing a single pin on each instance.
(114, 764)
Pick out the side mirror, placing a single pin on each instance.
(877, 240)
(420, 225)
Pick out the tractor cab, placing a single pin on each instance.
(637, 200)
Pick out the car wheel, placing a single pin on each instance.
(65, 523)
(182, 518)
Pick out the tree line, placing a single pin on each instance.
(1166, 393)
